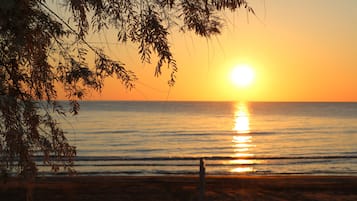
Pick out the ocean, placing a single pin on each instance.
(233, 138)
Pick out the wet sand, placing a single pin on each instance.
(180, 188)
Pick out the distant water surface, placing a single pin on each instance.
(155, 138)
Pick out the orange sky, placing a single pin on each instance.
(300, 51)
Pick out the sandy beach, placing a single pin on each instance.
(162, 188)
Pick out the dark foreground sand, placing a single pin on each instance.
(173, 188)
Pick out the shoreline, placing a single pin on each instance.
(270, 187)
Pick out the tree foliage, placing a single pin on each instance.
(39, 50)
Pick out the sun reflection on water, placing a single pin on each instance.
(241, 124)
(242, 141)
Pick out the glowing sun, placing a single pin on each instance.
(242, 75)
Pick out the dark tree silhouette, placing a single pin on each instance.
(39, 50)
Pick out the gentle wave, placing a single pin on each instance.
(186, 133)
(119, 158)
(109, 132)
(101, 165)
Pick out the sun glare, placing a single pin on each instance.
(242, 75)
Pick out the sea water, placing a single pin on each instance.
(160, 138)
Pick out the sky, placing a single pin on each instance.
(299, 50)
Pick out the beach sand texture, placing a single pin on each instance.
(185, 188)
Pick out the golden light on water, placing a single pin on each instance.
(241, 124)
(242, 169)
(242, 141)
